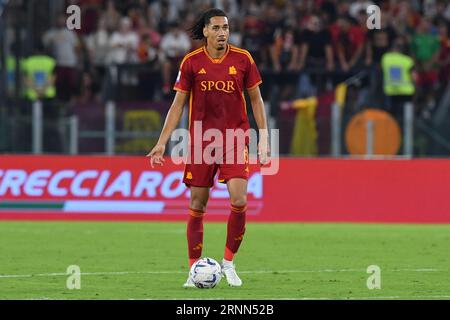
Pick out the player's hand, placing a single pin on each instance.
(156, 155)
(263, 151)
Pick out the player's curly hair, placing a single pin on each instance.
(197, 29)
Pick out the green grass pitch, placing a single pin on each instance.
(148, 260)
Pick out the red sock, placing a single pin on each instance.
(195, 235)
(235, 231)
(192, 261)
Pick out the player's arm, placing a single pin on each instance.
(259, 113)
(172, 119)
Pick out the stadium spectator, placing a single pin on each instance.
(165, 12)
(315, 52)
(11, 66)
(425, 48)
(316, 49)
(284, 50)
(404, 18)
(123, 43)
(378, 42)
(398, 78)
(39, 73)
(357, 6)
(443, 9)
(149, 78)
(65, 48)
(147, 50)
(435, 10)
(251, 8)
(252, 39)
(444, 54)
(123, 49)
(350, 40)
(134, 13)
(231, 7)
(112, 16)
(90, 15)
(274, 21)
(235, 33)
(284, 58)
(174, 45)
(329, 11)
(89, 88)
(144, 27)
(98, 45)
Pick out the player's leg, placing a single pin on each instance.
(237, 188)
(199, 178)
(198, 202)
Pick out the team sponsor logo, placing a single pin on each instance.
(78, 189)
(103, 184)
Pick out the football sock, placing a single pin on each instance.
(226, 262)
(235, 231)
(192, 261)
(195, 235)
(228, 255)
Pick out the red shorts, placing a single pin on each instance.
(202, 174)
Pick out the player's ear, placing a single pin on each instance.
(205, 31)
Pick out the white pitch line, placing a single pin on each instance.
(303, 271)
(118, 273)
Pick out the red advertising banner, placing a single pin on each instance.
(308, 190)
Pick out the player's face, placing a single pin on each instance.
(217, 32)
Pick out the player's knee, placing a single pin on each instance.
(199, 204)
(199, 199)
(239, 202)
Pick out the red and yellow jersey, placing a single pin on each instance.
(216, 87)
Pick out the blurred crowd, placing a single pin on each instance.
(129, 51)
(328, 39)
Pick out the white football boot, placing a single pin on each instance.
(229, 271)
(189, 283)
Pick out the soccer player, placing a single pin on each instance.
(214, 77)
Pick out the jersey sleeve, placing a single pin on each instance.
(252, 77)
(184, 79)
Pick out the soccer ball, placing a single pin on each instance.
(206, 273)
